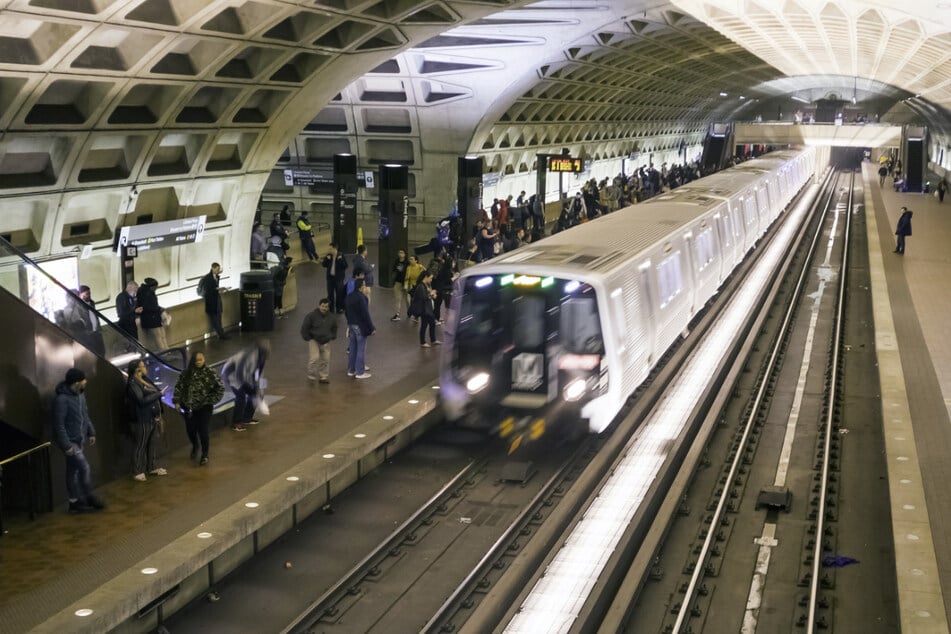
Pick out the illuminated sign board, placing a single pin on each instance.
(565, 164)
(161, 235)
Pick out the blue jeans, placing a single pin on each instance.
(356, 361)
(244, 404)
(78, 476)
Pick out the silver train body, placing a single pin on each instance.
(575, 322)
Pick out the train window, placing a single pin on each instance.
(669, 279)
(580, 326)
(528, 321)
(704, 247)
(749, 210)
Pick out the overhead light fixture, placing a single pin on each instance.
(800, 99)
(742, 97)
(723, 94)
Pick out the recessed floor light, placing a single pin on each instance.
(252, 505)
(292, 478)
(149, 571)
(328, 456)
(83, 612)
(388, 417)
(359, 435)
(413, 401)
(203, 535)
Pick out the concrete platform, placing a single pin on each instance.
(911, 305)
(165, 541)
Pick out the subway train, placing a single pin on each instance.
(572, 324)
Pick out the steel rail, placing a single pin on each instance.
(684, 612)
(359, 570)
(830, 413)
(501, 544)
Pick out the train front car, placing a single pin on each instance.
(525, 351)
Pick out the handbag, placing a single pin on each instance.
(166, 318)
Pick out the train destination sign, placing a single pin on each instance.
(568, 164)
(161, 235)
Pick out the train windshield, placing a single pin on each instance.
(523, 328)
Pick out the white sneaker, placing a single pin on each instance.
(140, 477)
(349, 373)
(437, 343)
(159, 472)
(365, 375)
(424, 345)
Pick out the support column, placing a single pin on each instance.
(394, 219)
(345, 202)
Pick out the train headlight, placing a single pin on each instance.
(477, 383)
(575, 390)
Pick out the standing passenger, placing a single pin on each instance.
(153, 332)
(903, 230)
(306, 232)
(399, 278)
(145, 399)
(127, 311)
(72, 426)
(336, 265)
(318, 330)
(361, 326)
(210, 291)
(424, 305)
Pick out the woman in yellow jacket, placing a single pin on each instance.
(413, 272)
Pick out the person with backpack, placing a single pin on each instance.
(208, 289)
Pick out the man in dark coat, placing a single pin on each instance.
(72, 427)
(151, 316)
(903, 230)
(318, 330)
(361, 326)
(336, 265)
(127, 311)
(209, 286)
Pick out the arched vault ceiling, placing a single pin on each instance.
(902, 44)
(194, 101)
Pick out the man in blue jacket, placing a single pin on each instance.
(71, 427)
(360, 326)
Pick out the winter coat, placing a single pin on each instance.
(904, 224)
(147, 300)
(71, 422)
(358, 313)
(145, 402)
(197, 387)
(319, 327)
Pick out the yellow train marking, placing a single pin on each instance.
(537, 429)
(515, 443)
(506, 427)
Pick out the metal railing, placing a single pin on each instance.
(32, 501)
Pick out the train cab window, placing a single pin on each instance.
(669, 279)
(705, 248)
(528, 321)
(580, 326)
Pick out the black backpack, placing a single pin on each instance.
(200, 289)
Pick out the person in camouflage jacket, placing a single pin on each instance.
(197, 391)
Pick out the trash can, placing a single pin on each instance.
(257, 301)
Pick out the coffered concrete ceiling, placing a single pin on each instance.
(193, 103)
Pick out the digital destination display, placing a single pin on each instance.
(161, 235)
(568, 164)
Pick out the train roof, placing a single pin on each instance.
(604, 243)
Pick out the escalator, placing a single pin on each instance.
(716, 147)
